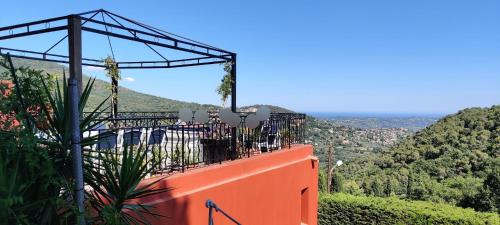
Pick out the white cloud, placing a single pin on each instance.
(129, 79)
(94, 68)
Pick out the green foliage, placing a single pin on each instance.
(488, 198)
(111, 68)
(115, 186)
(337, 182)
(322, 181)
(347, 209)
(351, 187)
(113, 72)
(455, 160)
(224, 88)
(29, 82)
(377, 188)
(35, 178)
(31, 184)
(58, 116)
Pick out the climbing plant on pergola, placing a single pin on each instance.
(110, 25)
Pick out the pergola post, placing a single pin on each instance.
(233, 82)
(75, 49)
(75, 90)
(233, 104)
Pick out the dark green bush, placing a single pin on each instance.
(349, 209)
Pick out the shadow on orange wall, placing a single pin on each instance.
(272, 188)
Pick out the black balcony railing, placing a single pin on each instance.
(175, 146)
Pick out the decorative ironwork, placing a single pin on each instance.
(180, 145)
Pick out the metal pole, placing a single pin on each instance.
(233, 104)
(76, 148)
(75, 90)
(233, 82)
(75, 49)
(210, 214)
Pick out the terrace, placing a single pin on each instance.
(174, 141)
(182, 143)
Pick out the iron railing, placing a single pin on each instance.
(176, 146)
(211, 206)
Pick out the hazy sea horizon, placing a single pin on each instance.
(332, 115)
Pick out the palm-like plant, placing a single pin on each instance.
(113, 190)
(115, 187)
(58, 115)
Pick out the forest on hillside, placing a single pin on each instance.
(456, 161)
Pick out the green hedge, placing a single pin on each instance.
(349, 209)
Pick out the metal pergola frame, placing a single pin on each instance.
(150, 36)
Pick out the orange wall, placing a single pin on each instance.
(273, 188)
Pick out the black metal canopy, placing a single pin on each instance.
(106, 23)
(111, 25)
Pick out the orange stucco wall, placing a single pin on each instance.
(273, 188)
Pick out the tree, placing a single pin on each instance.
(377, 187)
(488, 199)
(338, 183)
(388, 190)
(330, 167)
(351, 187)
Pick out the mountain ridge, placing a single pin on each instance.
(128, 99)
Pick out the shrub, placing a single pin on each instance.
(347, 209)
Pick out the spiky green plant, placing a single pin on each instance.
(112, 191)
(115, 187)
(57, 109)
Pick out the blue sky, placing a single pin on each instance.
(422, 56)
